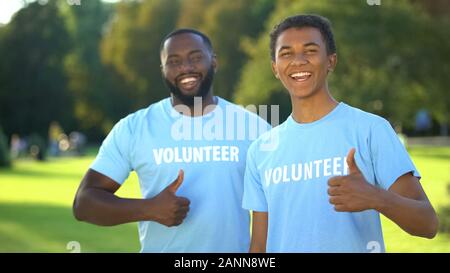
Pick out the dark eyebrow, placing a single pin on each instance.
(195, 51)
(190, 53)
(173, 56)
(304, 45)
(284, 47)
(311, 44)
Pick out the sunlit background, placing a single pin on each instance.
(70, 69)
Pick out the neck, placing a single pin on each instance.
(202, 106)
(306, 110)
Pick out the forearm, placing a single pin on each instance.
(259, 232)
(257, 247)
(102, 208)
(417, 217)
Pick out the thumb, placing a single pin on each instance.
(351, 163)
(173, 187)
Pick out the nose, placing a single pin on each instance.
(299, 59)
(186, 66)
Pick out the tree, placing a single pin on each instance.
(380, 68)
(5, 159)
(193, 13)
(100, 99)
(131, 46)
(228, 24)
(32, 80)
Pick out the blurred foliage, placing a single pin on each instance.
(87, 66)
(100, 95)
(131, 46)
(37, 147)
(390, 59)
(5, 159)
(444, 216)
(227, 23)
(32, 79)
(444, 219)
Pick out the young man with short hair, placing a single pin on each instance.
(336, 167)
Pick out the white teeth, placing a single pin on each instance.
(300, 74)
(188, 80)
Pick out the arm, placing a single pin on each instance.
(96, 203)
(259, 232)
(405, 203)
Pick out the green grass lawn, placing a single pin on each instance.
(36, 215)
(434, 166)
(36, 210)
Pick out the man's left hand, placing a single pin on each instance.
(352, 193)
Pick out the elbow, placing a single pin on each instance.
(82, 211)
(77, 209)
(78, 215)
(429, 230)
(430, 234)
(433, 228)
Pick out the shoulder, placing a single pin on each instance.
(135, 119)
(268, 141)
(363, 118)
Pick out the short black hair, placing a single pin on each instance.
(304, 20)
(205, 38)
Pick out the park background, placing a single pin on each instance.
(84, 64)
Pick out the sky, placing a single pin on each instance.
(9, 7)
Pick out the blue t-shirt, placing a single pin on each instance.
(157, 142)
(290, 181)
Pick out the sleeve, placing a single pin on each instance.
(113, 159)
(254, 197)
(389, 156)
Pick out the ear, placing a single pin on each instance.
(162, 60)
(274, 70)
(214, 61)
(332, 61)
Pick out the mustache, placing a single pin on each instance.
(205, 85)
(177, 78)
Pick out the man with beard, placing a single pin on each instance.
(191, 186)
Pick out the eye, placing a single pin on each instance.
(311, 51)
(285, 54)
(173, 62)
(196, 58)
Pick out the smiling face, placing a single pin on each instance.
(188, 67)
(301, 61)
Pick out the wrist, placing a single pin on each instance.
(146, 210)
(379, 201)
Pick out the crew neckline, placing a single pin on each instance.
(173, 114)
(294, 124)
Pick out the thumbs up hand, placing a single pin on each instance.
(168, 208)
(173, 187)
(352, 193)
(351, 163)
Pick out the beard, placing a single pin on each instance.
(203, 90)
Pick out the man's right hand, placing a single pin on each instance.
(167, 208)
